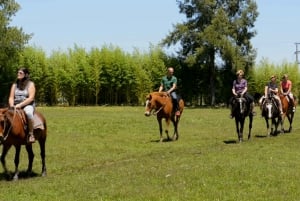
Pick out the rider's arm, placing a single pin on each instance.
(160, 88)
(266, 91)
(244, 91)
(281, 89)
(11, 98)
(172, 88)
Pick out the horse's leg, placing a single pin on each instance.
(250, 125)
(280, 121)
(3, 155)
(175, 123)
(290, 118)
(159, 120)
(242, 129)
(268, 126)
(43, 155)
(30, 158)
(237, 125)
(167, 128)
(17, 160)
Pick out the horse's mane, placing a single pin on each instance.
(161, 94)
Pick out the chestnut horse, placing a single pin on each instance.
(287, 109)
(13, 131)
(241, 109)
(160, 103)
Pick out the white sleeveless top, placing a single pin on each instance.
(21, 95)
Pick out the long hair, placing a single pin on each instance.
(21, 84)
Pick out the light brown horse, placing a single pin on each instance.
(13, 131)
(287, 109)
(160, 104)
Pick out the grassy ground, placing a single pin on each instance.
(112, 153)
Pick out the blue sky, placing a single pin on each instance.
(59, 24)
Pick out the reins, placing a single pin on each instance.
(4, 127)
(157, 111)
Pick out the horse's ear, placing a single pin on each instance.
(149, 97)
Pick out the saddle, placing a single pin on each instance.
(37, 122)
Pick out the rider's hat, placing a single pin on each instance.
(273, 76)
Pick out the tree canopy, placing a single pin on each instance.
(214, 38)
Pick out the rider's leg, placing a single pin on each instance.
(292, 100)
(279, 104)
(29, 109)
(175, 102)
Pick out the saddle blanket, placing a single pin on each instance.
(37, 122)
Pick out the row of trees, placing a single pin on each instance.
(214, 42)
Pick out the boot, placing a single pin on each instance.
(31, 138)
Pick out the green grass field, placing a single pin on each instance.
(113, 153)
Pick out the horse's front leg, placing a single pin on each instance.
(159, 120)
(238, 129)
(250, 126)
(268, 126)
(17, 160)
(30, 158)
(3, 155)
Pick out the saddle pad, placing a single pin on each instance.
(37, 122)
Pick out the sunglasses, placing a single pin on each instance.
(20, 72)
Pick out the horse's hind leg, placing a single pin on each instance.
(30, 158)
(43, 155)
(176, 134)
(167, 129)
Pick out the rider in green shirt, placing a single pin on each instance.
(169, 84)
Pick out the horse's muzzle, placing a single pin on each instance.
(147, 113)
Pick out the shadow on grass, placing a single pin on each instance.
(22, 175)
(230, 141)
(164, 140)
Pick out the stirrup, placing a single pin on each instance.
(31, 138)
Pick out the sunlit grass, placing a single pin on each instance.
(112, 153)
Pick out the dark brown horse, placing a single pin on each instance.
(13, 131)
(160, 104)
(270, 111)
(288, 111)
(241, 109)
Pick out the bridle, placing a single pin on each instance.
(5, 124)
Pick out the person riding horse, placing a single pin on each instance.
(239, 89)
(169, 84)
(286, 90)
(21, 96)
(271, 91)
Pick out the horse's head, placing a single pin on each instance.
(269, 108)
(240, 105)
(2, 123)
(155, 101)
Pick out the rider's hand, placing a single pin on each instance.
(18, 106)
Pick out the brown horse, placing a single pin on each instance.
(161, 105)
(287, 109)
(13, 131)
